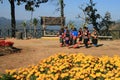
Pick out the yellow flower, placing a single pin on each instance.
(82, 76)
(25, 73)
(12, 71)
(93, 75)
(15, 76)
(18, 77)
(103, 75)
(117, 78)
(64, 75)
(72, 79)
(7, 71)
(101, 69)
(41, 69)
(21, 76)
(37, 74)
(74, 65)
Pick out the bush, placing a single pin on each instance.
(6, 77)
(70, 67)
(4, 43)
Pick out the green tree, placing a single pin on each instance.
(106, 23)
(13, 21)
(29, 5)
(84, 17)
(70, 25)
(92, 15)
(35, 22)
(24, 24)
(1, 1)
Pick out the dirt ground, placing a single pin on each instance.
(33, 50)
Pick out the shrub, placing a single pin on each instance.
(6, 77)
(4, 43)
(70, 67)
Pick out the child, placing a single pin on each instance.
(85, 36)
(80, 35)
(67, 38)
(89, 35)
(94, 37)
(71, 36)
(75, 35)
(61, 37)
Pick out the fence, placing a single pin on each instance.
(28, 33)
(38, 33)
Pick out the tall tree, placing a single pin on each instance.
(24, 24)
(35, 22)
(83, 17)
(62, 12)
(29, 5)
(13, 21)
(106, 23)
(92, 16)
(1, 1)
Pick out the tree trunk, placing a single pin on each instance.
(25, 32)
(34, 31)
(62, 13)
(13, 21)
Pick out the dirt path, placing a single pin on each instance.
(36, 49)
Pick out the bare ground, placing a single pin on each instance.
(34, 50)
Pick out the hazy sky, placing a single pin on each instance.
(71, 9)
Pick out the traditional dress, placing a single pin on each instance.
(80, 35)
(94, 36)
(75, 35)
(61, 37)
(67, 38)
(86, 37)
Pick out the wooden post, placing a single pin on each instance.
(119, 34)
(0, 32)
(44, 32)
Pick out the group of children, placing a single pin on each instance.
(74, 38)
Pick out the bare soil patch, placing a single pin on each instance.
(34, 50)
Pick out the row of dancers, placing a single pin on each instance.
(74, 38)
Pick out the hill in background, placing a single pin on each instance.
(6, 24)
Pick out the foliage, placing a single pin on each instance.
(71, 67)
(106, 23)
(24, 24)
(6, 77)
(29, 5)
(70, 25)
(92, 16)
(1, 1)
(35, 22)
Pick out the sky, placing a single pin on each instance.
(71, 9)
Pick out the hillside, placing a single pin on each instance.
(6, 23)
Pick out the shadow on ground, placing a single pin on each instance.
(9, 50)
